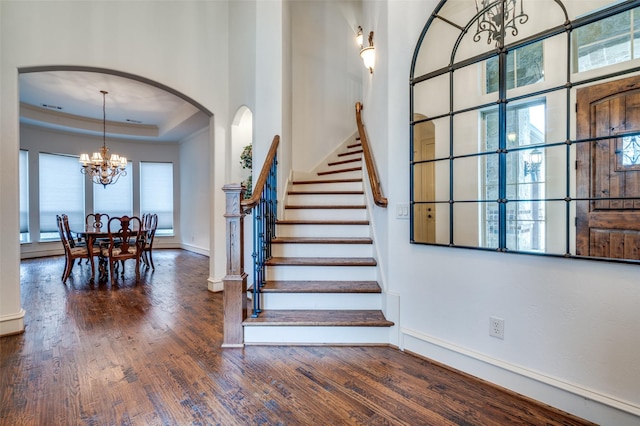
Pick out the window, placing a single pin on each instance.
(64, 193)
(24, 196)
(608, 41)
(156, 194)
(115, 199)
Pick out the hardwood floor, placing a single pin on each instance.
(149, 353)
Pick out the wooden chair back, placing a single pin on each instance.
(126, 240)
(97, 220)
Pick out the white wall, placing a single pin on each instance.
(195, 192)
(571, 326)
(180, 44)
(326, 75)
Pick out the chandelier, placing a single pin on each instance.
(497, 17)
(101, 168)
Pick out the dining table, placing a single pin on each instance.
(91, 234)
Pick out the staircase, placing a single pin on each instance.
(322, 279)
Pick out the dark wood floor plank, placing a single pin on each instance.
(149, 353)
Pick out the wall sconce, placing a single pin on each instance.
(532, 167)
(368, 54)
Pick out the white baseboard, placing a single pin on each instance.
(215, 285)
(12, 324)
(194, 249)
(586, 403)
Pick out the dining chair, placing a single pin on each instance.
(126, 241)
(72, 252)
(150, 221)
(73, 241)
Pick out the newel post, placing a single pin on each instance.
(235, 281)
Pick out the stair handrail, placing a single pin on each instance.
(372, 173)
(263, 202)
(259, 187)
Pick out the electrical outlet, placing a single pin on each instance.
(496, 327)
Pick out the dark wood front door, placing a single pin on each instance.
(608, 170)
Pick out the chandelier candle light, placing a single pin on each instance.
(101, 168)
(496, 17)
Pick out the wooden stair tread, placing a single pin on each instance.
(320, 287)
(327, 318)
(321, 222)
(351, 160)
(322, 240)
(353, 145)
(311, 182)
(321, 261)
(342, 154)
(330, 172)
(325, 192)
(325, 207)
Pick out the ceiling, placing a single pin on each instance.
(71, 101)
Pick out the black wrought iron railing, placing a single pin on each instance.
(264, 230)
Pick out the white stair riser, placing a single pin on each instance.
(272, 301)
(322, 250)
(322, 230)
(325, 199)
(322, 335)
(335, 186)
(325, 214)
(332, 273)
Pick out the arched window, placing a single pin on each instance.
(534, 142)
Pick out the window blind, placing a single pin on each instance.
(156, 193)
(116, 199)
(24, 194)
(61, 191)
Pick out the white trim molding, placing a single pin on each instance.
(578, 400)
(12, 324)
(215, 285)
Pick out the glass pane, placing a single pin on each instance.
(604, 42)
(431, 181)
(466, 178)
(469, 90)
(475, 224)
(490, 225)
(57, 198)
(431, 97)
(424, 140)
(529, 65)
(490, 175)
(556, 116)
(553, 63)
(431, 223)
(537, 173)
(630, 150)
(526, 124)
(526, 226)
(467, 129)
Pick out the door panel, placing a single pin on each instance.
(608, 170)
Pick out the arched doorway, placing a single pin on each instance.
(241, 137)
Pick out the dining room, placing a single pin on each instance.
(164, 138)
